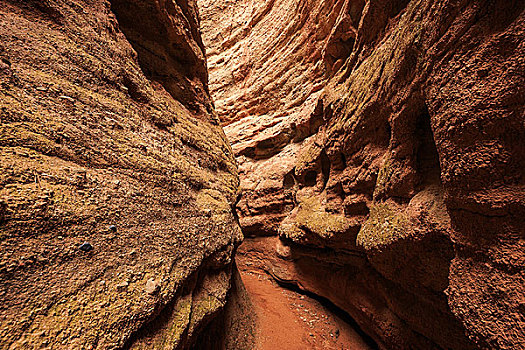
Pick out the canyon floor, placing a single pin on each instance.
(290, 320)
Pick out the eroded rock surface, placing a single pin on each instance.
(383, 142)
(108, 138)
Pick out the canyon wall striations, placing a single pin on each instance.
(116, 180)
(381, 154)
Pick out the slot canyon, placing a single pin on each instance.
(262, 174)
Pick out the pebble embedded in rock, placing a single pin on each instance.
(122, 286)
(152, 286)
(69, 98)
(86, 247)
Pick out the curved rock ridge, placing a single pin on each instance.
(116, 180)
(383, 142)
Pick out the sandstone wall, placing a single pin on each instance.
(383, 141)
(108, 136)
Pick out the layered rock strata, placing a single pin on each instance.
(116, 179)
(383, 142)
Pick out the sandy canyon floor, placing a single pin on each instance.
(290, 320)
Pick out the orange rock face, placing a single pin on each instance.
(383, 142)
(268, 62)
(116, 179)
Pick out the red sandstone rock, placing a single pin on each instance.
(383, 142)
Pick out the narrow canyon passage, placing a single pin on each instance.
(368, 154)
(237, 36)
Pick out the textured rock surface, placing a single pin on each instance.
(268, 61)
(118, 150)
(383, 142)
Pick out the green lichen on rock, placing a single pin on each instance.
(178, 324)
(311, 217)
(383, 227)
(383, 176)
(209, 199)
(308, 159)
(203, 308)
